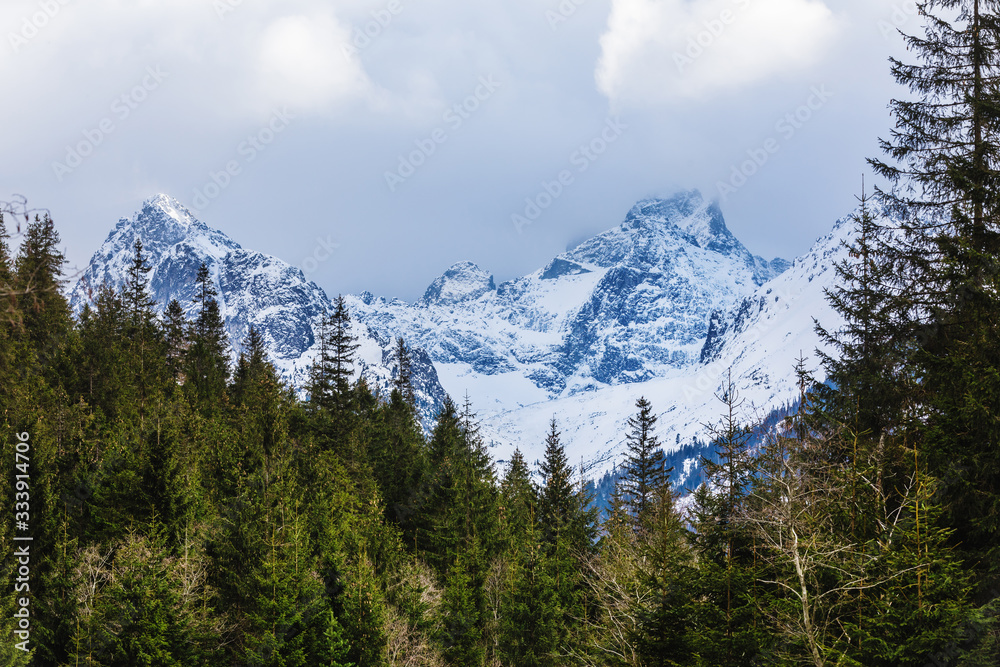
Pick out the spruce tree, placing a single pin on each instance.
(645, 471)
(105, 375)
(726, 582)
(7, 297)
(666, 614)
(531, 616)
(403, 382)
(252, 365)
(9, 318)
(567, 532)
(461, 632)
(944, 164)
(208, 363)
(866, 384)
(142, 331)
(519, 503)
(38, 284)
(319, 387)
(333, 400)
(557, 502)
(342, 346)
(176, 331)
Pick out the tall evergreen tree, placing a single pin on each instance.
(38, 283)
(208, 363)
(557, 502)
(867, 386)
(104, 377)
(9, 318)
(342, 346)
(519, 502)
(403, 382)
(252, 365)
(530, 621)
(7, 300)
(142, 331)
(137, 297)
(667, 632)
(176, 331)
(944, 163)
(727, 588)
(320, 387)
(644, 470)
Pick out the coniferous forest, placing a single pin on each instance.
(163, 506)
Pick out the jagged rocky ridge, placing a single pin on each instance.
(254, 289)
(665, 305)
(628, 305)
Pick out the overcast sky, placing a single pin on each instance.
(410, 133)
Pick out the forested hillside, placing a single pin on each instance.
(164, 508)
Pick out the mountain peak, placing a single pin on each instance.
(254, 290)
(162, 222)
(463, 281)
(689, 212)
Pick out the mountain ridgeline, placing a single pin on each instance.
(647, 306)
(174, 501)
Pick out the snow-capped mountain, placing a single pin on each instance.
(665, 305)
(628, 305)
(254, 290)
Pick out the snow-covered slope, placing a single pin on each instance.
(666, 305)
(626, 306)
(254, 289)
(757, 340)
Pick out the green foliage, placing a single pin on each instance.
(461, 608)
(207, 357)
(531, 616)
(644, 470)
(944, 164)
(183, 516)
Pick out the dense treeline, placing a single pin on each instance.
(187, 512)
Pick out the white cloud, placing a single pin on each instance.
(302, 62)
(655, 51)
(235, 63)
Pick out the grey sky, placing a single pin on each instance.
(163, 94)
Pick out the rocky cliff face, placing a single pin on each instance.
(625, 306)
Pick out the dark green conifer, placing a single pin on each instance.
(208, 363)
(944, 164)
(557, 502)
(177, 331)
(403, 382)
(38, 287)
(644, 470)
(518, 503)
